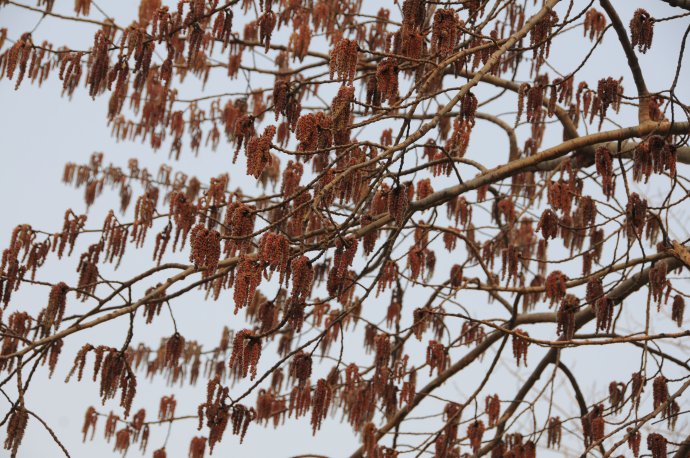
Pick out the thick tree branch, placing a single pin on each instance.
(685, 4)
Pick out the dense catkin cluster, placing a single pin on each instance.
(642, 30)
(215, 411)
(424, 188)
(51, 316)
(274, 252)
(548, 224)
(115, 372)
(388, 277)
(593, 425)
(302, 278)
(341, 113)
(604, 166)
(609, 93)
(505, 207)
(382, 347)
(344, 60)
(637, 383)
(373, 95)
(416, 261)
(472, 333)
(111, 425)
(635, 216)
(300, 368)
(183, 214)
(534, 297)
(270, 407)
(595, 24)
(540, 37)
(437, 357)
(174, 347)
(445, 442)
(156, 295)
(281, 96)
(286, 102)
(369, 439)
(566, 316)
(387, 137)
(409, 388)
(409, 40)
(421, 319)
(291, 177)
(520, 344)
(88, 272)
(321, 402)
(241, 417)
(475, 432)
(24, 255)
(205, 252)
(586, 213)
(97, 75)
(450, 240)
(657, 444)
(634, 439)
(166, 408)
(17, 57)
(393, 313)
(90, 420)
(139, 427)
(16, 426)
(52, 356)
(678, 309)
(555, 287)
(258, 152)
(398, 203)
(660, 391)
(456, 277)
(493, 409)
(144, 210)
(445, 31)
(658, 282)
(246, 351)
(70, 69)
(345, 251)
(267, 23)
(222, 27)
(421, 234)
(300, 41)
(197, 447)
(468, 109)
(387, 80)
(238, 227)
(246, 282)
(523, 90)
(122, 440)
(370, 237)
(243, 131)
(300, 400)
(314, 132)
(655, 155)
(535, 95)
(560, 196)
(603, 305)
(554, 432)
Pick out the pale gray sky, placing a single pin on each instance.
(40, 131)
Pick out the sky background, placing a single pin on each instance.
(40, 131)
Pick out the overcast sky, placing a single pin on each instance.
(40, 131)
